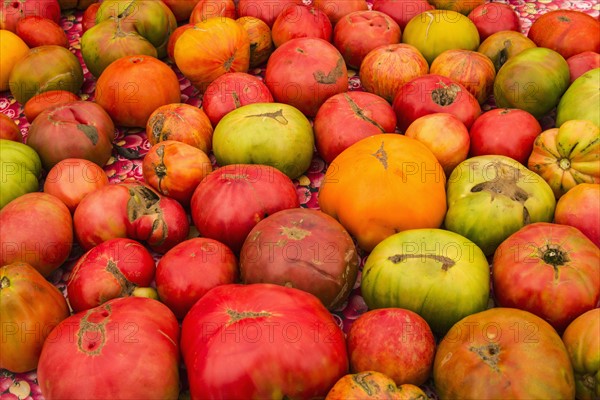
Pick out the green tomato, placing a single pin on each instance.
(581, 100)
(491, 197)
(440, 275)
(20, 168)
(272, 134)
(533, 81)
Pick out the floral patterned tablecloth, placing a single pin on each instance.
(132, 144)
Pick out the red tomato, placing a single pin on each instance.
(125, 348)
(490, 18)
(190, 269)
(9, 130)
(231, 200)
(550, 270)
(112, 269)
(44, 100)
(12, 11)
(301, 21)
(580, 207)
(494, 132)
(261, 341)
(39, 31)
(430, 94)
(402, 11)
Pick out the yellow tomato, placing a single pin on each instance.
(12, 49)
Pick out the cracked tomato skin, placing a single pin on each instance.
(582, 340)
(130, 210)
(127, 348)
(365, 385)
(550, 270)
(567, 156)
(503, 353)
(114, 268)
(491, 197)
(261, 341)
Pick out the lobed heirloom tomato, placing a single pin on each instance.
(30, 307)
(211, 48)
(373, 385)
(231, 200)
(567, 156)
(261, 341)
(491, 197)
(126, 28)
(550, 270)
(116, 268)
(20, 169)
(503, 353)
(127, 348)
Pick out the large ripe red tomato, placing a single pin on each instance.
(30, 307)
(131, 88)
(567, 32)
(112, 269)
(125, 348)
(337, 9)
(36, 228)
(430, 94)
(346, 118)
(261, 341)
(79, 129)
(190, 269)
(305, 249)
(550, 270)
(503, 353)
(231, 200)
(494, 132)
(305, 72)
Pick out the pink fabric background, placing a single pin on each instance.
(132, 145)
